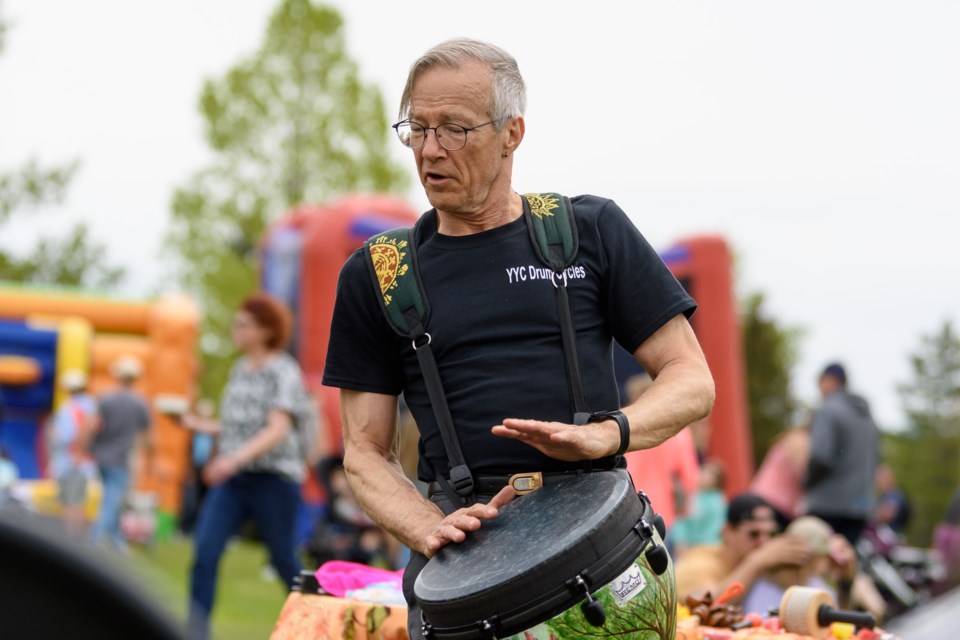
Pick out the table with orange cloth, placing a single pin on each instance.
(322, 617)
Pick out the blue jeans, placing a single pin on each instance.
(116, 481)
(272, 501)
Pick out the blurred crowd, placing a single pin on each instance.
(821, 510)
(95, 442)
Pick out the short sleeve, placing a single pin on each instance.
(362, 353)
(641, 292)
(289, 386)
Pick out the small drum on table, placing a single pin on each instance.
(580, 557)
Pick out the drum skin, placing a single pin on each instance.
(517, 571)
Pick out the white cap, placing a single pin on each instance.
(126, 368)
(73, 380)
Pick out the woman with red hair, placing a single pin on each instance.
(258, 466)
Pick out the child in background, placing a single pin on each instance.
(706, 515)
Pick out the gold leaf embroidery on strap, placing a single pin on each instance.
(388, 254)
(541, 204)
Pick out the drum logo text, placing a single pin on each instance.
(628, 585)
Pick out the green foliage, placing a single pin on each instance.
(33, 186)
(926, 458)
(291, 124)
(770, 353)
(75, 260)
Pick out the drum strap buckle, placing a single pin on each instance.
(524, 483)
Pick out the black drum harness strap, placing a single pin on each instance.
(392, 260)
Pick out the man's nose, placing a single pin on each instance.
(433, 148)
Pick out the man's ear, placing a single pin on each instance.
(515, 130)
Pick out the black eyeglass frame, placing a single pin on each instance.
(466, 130)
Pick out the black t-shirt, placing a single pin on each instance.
(496, 333)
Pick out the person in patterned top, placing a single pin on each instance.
(258, 466)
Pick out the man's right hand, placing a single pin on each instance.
(454, 527)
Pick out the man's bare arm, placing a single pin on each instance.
(682, 393)
(377, 480)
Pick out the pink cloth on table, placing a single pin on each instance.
(337, 577)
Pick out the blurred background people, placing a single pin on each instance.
(893, 508)
(122, 440)
(844, 453)
(779, 480)
(344, 532)
(70, 432)
(703, 523)
(258, 465)
(750, 547)
(201, 450)
(946, 540)
(667, 473)
(832, 567)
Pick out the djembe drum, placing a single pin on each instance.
(577, 558)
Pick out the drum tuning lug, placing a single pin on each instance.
(425, 627)
(657, 558)
(487, 629)
(594, 611)
(660, 526)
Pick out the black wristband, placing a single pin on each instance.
(622, 422)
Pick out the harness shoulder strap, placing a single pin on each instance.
(553, 231)
(392, 264)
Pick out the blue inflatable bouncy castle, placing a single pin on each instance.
(28, 371)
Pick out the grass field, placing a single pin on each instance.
(248, 603)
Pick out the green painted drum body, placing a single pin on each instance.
(578, 558)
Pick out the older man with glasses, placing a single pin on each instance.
(751, 546)
(494, 327)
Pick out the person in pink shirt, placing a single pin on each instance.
(669, 473)
(779, 480)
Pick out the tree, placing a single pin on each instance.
(926, 458)
(770, 353)
(293, 123)
(75, 260)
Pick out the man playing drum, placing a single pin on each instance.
(495, 324)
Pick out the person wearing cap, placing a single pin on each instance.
(125, 424)
(70, 464)
(833, 562)
(844, 453)
(750, 547)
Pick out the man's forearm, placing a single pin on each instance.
(386, 495)
(681, 395)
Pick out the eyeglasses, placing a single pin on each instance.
(756, 534)
(451, 137)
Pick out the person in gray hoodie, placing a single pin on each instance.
(844, 453)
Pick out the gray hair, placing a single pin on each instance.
(509, 96)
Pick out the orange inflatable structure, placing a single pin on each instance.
(703, 265)
(49, 331)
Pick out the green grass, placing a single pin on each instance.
(247, 605)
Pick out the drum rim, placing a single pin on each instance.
(509, 602)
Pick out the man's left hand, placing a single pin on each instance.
(567, 442)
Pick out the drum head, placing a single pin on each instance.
(536, 542)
